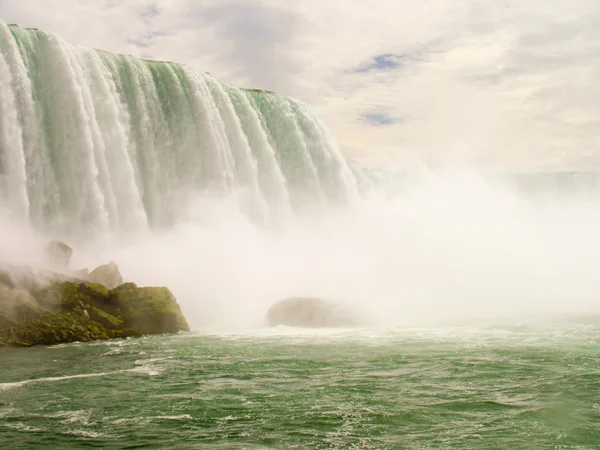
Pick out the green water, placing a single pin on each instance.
(427, 388)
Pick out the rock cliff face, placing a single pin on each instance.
(107, 275)
(59, 254)
(50, 308)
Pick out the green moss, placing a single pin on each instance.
(107, 320)
(75, 296)
(126, 333)
(68, 312)
(150, 310)
(55, 327)
(95, 292)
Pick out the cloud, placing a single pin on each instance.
(383, 62)
(379, 119)
(149, 12)
(497, 83)
(253, 40)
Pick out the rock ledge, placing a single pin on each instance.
(50, 308)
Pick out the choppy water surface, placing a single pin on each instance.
(426, 388)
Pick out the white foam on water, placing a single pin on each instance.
(21, 427)
(143, 369)
(150, 418)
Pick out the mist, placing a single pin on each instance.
(449, 248)
(123, 175)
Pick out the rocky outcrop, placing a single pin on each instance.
(107, 275)
(83, 274)
(44, 307)
(59, 254)
(310, 313)
(150, 310)
(47, 313)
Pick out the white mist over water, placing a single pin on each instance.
(455, 248)
(104, 150)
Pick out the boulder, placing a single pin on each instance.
(82, 274)
(58, 254)
(309, 312)
(149, 310)
(107, 275)
(67, 311)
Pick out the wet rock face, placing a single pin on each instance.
(45, 307)
(309, 312)
(149, 310)
(82, 274)
(107, 275)
(64, 312)
(59, 254)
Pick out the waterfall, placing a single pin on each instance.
(106, 143)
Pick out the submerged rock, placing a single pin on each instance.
(69, 311)
(309, 313)
(107, 275)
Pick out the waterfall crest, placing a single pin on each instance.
(103, 142)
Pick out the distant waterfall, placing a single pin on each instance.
(102, 142)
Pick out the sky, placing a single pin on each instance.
(496, 83)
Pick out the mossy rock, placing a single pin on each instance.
(67, 312)
(56, 327)
(70, 296)
(149, 310)
(107, 320)
(126, 333)
(107, 275)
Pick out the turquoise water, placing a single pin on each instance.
(402, 388)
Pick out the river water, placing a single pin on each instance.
(482, 388)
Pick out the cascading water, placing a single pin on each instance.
(104, 143)
(179, 178)
(476, 294)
